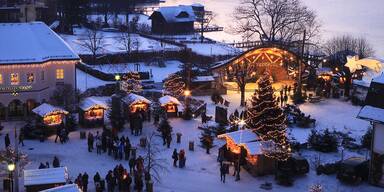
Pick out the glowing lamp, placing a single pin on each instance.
(187, 92)
(11, 167)
(117, 77)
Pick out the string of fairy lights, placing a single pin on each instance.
(174, 85)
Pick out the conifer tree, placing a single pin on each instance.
(267, 120)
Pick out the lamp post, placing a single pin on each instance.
(117, 79)
(11, 167)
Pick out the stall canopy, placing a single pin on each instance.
(372, 114)
(259, 147)
(45, 176)
(168, 100)
(47, 109)
(133, 99)
(93, 102)
(64, 188)
(241, 136)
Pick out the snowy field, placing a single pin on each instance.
(212, 49)
(85, 81)
(159, 73)
(112, 43)
(202, 170)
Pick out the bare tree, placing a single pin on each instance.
(128, 42)
(242, 72)
(93, 42)
(275, 20)
(154, 164)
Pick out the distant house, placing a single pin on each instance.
(23, 11)
(173, 20)
(373, 111)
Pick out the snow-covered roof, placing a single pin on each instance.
(168, 99)
(203, 78)
(133, 98)
(172, 14)
(32, 43)
(372, 114)
(241, 136)
(93, 102)
(45, 176)
(361, 83)
(46, 109)
(379, 79)
(253, 148)
(64, 188)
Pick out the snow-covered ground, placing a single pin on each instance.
(159, 73)
(85, 81)
(112, 43)
(202, 170)
(211, 49)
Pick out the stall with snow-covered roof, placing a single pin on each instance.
(92, 110)
(233, 148)
(41, 179)
(50, 115)
(171, 105)
(134, 103)
(257, 163)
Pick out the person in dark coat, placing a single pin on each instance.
(97, 180)
(58, 131)
(111, 181)
(169, 139)
(138, 182)
(7, 141)
(56, 162)
(42, 166)
(132, 163)
(90, 142)
(223, 172)
(21, 138)
(104, 140)
(127, 149)
(78, 181)
(127, 180)
(47, 164)
(84, 181)
(175, 157)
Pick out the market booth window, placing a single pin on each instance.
(53, 119)
(1, 78)
(60, 74)
(30, 77)
(94, 114)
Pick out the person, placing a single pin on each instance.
(78, 181)
(84, 181)
(56, 162)
(7, 141)
(121, 149)
(169, 139)
(175, 157)
(63, 135)
(98, 145)
(132, 162)
(223, 171)
(46, 164)
(220, 157)
(90, 142)
(182, 158)
(21, 138)
(58, 131)
(138, 182)
(127, 149)
(127, 180)
(110, 181)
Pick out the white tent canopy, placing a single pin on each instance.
(93, 102)
(46, 109)
(64, 188)
(45, 176)
(133, 98)
(168, 99)
(241, 136)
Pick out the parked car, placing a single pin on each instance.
(353, 170)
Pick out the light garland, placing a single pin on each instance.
(174, 85)
(131, 82)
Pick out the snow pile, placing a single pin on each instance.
(92, 102)
(168, 100)
(211, 49)
(133, 98)
(45, 176)
(372, 114)
(31, 43)
(64, 188)
(46, 109)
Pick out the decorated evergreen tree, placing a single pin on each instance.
(174, 85)
(266, 118)
(116, 115)
(130, 82)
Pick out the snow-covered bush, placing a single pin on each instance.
(324, 142)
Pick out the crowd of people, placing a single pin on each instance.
(179, 157)
(55, 163)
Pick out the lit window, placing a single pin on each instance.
(42, 75)
(59, 73)
(1, 79)
(30, 78)
(15, 79)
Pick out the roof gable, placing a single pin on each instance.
(175, 14)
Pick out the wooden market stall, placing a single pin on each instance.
(171, 105)
(257, 163)
(40, 179)
(136, 103)
(51, 115)
(234, 140)
(92, 110)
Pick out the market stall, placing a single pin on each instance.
(51, 115)
(257, 163)
(171, 105)
(40, 179)
(92, 110)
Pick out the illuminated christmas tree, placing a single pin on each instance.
(130, 82)
(174, 85)
(266, 118)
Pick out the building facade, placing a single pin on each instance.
(23, 11)
(34, 61)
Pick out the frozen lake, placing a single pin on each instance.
(355, 17)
